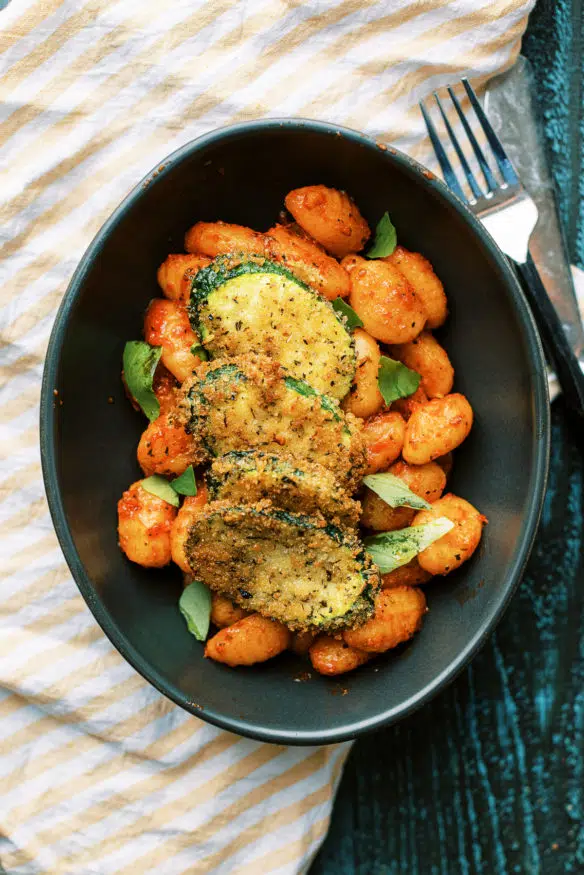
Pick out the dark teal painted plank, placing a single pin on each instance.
(489, 778)
(554, 43)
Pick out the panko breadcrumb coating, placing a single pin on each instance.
(293, 568)
(247, 477)
(250, 402)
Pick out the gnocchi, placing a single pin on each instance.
(224, 613)
(425, 356)
(253, 639)
(331, 656)
(379, 516)
(406, 406)
(411, 574)
(428, 481)
(457, 545)
(398, 615)
(384, 436)
(309, 262)
(330, 217)
(436, 428)
(302, 642)
(165, 448)
(176, 273)
(167, 325)
(144, 526)
(164, 386)
(384, 300)
(420, 274)
(220, 238)
(365, 399)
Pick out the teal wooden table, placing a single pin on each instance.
(488, 779)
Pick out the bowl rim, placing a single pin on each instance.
(541, 441)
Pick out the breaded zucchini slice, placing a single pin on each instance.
(261, 306)
(291, 567)
(249, 402)
(246, 477)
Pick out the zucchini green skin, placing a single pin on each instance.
(224, 268)
(304, 388)
(291, 567)
(246, 477)
(249, 403)
(197, 394)
(257, 305)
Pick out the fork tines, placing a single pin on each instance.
(506, 170)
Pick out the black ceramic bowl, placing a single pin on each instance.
(241, 174)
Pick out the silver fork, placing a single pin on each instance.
(510, 215)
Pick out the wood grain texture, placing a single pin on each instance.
(554, 43)
(488, 779)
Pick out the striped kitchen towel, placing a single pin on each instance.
(98, 772)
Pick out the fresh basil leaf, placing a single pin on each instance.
(395, 380)
(160, 487)
(199, 350)
(394, 491)
(139, 363)
(343, 309)
(195, 606)
(385, 239)
(185, 484)
(391, 550)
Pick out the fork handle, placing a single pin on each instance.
(567, 366)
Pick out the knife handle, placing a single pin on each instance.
(566, 365)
